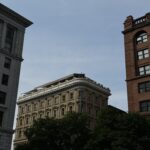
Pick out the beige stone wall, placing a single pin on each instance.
(57, 105)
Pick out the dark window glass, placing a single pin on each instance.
(71, 95)
(55, 113)
(20, 122)
(147, 85)
(62, 111)
(142, 38)
(1, 117)
(27, 120)
(5, 78)
(47, 114)
(2, 97)
(19, 134)
(63, 98)
(145, 106)
(144, 87)
(70, 109)
(9, 38)
(7, 63)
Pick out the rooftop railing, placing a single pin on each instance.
(140, 20)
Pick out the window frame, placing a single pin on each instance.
(2, 97)
(143, 54)
(63, 111)
(1, 118)
(5, 79)
(144, 87)
(144, 70)
(9, 38)
(144, 106)
(7, 63)
(142, 38)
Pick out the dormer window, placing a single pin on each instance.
(142, 38)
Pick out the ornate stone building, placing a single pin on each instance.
(12, 30)
(75, 92)
(137, 55)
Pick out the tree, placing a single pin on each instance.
(68, 133)
(76, 130)
(117, 130)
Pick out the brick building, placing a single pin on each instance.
(75, 92)
(137, 58)
(12, 30)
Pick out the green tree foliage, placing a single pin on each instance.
(68, 133)
(115, 130)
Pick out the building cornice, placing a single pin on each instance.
(67, 84)
(14, 16)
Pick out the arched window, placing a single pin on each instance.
(141, 38)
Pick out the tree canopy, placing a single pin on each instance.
(68, 133)
(117, 130)
(114, 130)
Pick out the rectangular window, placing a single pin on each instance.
(1, 117)
(7, 63)
(9, 38)
(71, 95)
(144, 70)
(70, 109)
(144, 87)
(34, 106)
(28, 108)
(145, 106)
(5, 78)
(143, 54)
(56, 100)
(55, 113)
(2, 97)
(47, 114)
(63, 98)
(142, 38)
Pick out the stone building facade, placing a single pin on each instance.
(12, 29)
(137, 57)
(75, 92)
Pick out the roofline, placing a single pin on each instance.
(75, 83)
(61, 79)
(17, 17)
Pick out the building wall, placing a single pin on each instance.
(77, 98)
(136, 60)
(11, 43)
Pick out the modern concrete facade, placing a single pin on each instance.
(12, 29)
(75, 92)
(137, 57)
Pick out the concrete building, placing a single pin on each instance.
(12, 29)
(137, 57)
(75, 92)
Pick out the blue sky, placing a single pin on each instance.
(74, 36)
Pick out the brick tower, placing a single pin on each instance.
(137, 58)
